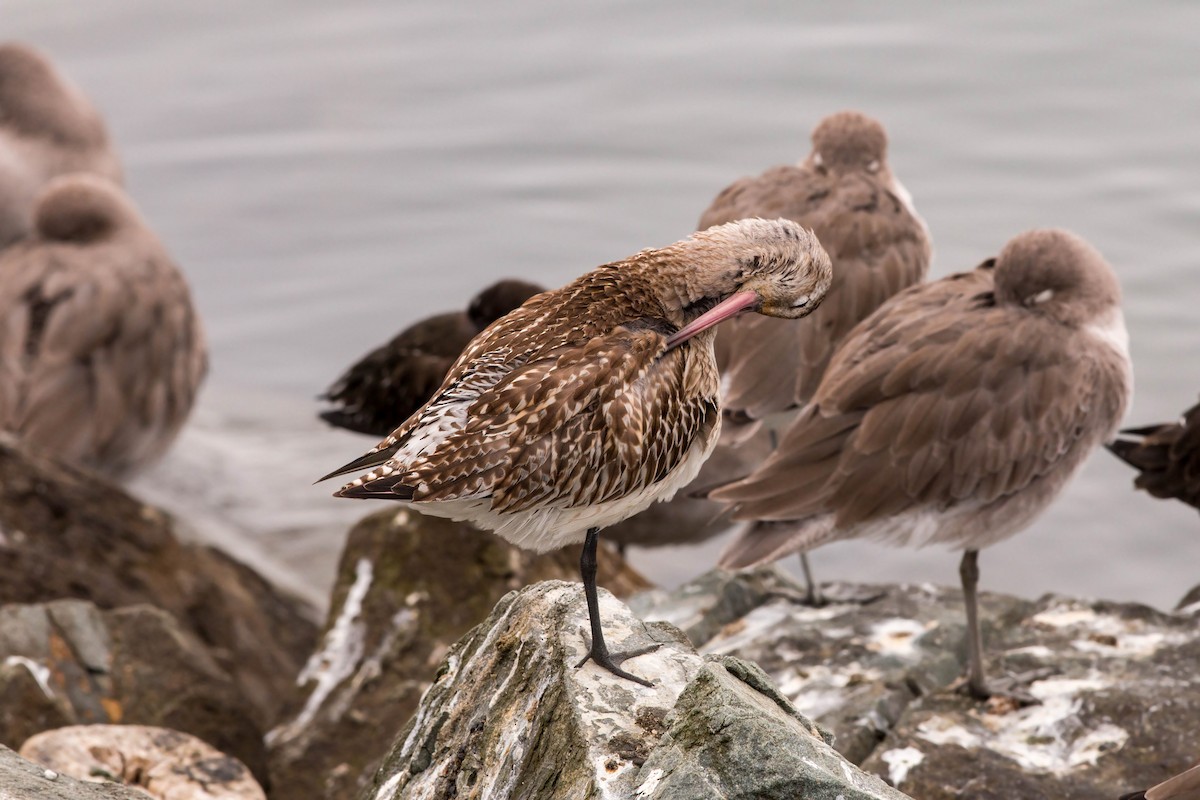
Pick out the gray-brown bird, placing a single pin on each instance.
(47, 128)
(385, 387)
(1166, 455)
(101, 350)
(846, 193)
(592, 401)
(953, 415)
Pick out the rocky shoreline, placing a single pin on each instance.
(445, 668)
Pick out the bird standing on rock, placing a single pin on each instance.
(592, 401)
(385, 387)
(846, 193)
(952, 415)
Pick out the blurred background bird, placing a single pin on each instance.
(47, 128)
(383, 388)
(101, 351)
(1167, 456)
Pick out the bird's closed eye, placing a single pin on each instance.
(800, 302)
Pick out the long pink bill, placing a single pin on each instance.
(722, 311)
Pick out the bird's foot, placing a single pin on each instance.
(1006, 694)
(613, 661)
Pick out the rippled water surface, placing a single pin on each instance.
(326, 173)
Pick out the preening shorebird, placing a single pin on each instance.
(47, 128)
(952, 415)
(101, 351)
(384, 387)
(592, 401)
(1166, 455)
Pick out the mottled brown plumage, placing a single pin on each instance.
(101, 351)
(845, 192)
(1167, 456)
(47, 128)
(952, 415)
(385, 387)
(592, 401)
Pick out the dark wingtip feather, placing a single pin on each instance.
(371, 459)
(379, 490)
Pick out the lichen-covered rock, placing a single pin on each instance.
(166, 764)
(68, 533)
(71, 663)
(1117, 685)
(510, 715)
(24, 780)
(408, 587)
(1118, 705)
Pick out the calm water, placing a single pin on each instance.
(327, 173)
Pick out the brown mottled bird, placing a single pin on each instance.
(952, 415)
(1184, 786)
(385, 387)
(592, 401)
(846, 193)
(101, 351)
(47, 128)
(1167, 456)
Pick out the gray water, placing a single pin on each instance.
(328, 172)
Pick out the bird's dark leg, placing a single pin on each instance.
(599, 650)
(815, 598)
(968, 569)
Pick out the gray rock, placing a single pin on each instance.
(408, 587)
(25, 780)
(509, 715)
(68, 533)
(1119, 696)
(70, 663)
(1117, 684)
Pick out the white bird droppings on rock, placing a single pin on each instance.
(898, 637)
(340, 653)
(900, 761)
(40, 672)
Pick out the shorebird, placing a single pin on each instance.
(101, 351)
(47, 128)
(1184, 786)
(592, 401)
(846, 193)
(953, 415)
(1167, 456)
(385, 387)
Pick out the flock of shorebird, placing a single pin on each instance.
(857, 400)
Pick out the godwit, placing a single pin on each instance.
(385, 387)
(592, 401)
(846, 193)
(952, 415)
(47, 128)
(101, 351)
(1167, 456)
